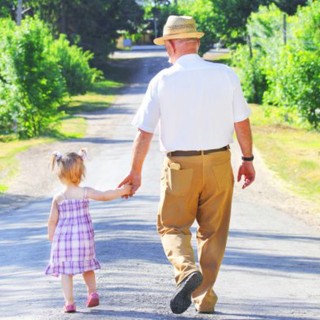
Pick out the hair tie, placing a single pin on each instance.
(83, 153)
(58, 155)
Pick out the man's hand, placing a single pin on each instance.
(140, 148)
(134, 179)
(247, 171)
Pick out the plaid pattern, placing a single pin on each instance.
(73, 248)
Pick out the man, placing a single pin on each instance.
(198, 105)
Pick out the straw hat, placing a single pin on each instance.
(178, 27)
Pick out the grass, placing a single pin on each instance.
(72, 126)
(8, 160)
(293, 153)
(100, 97)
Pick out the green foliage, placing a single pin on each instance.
(6, 8)
(75, 66)
(36, 73)
(202, 12)
(264, 38)
(36, 78)
(265, 29)
(290, 6)
(251, 73)
(286, 75)
(230, 18)
(31, 84)
(92, 24)
(155, 16)
(294, 76)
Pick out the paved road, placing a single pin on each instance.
(271, 269)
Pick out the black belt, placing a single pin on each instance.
(195, 153)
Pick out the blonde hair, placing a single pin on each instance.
(70, 166)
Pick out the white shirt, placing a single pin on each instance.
(196, 104)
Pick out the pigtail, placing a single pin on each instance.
(56, 157)
(83, 153)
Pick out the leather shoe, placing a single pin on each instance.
(182, 298)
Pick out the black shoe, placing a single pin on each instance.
(182, 298)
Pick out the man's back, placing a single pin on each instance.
(196, 104)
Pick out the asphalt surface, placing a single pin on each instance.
(271, 268)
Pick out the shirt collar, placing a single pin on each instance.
(188, 58)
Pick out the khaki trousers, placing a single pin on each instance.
(196, 188)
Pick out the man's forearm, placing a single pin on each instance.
(140, 150)
(244, 136)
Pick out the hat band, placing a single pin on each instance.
(179, 29)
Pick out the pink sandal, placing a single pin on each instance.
(93, 300)
(69, 308)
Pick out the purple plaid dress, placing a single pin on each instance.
(73, 248)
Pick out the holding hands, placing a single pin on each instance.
(134, 181)
(125, 189)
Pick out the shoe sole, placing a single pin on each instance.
(182, 299)
(93, 302)
(71, 311)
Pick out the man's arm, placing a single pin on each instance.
(140, 149)
(244, 136)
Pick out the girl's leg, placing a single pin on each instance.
(90, 280)
(67, 287)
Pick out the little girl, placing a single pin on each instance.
(70, 227)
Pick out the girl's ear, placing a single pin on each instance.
(83, 153)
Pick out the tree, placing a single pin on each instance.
(290, 7)
(283, 74)
(231, 16)
(294, 76)
(203, 12)
(93, 24)
(7, 9)
(31, 84)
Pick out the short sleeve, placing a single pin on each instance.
(241, 110)
(148, 114)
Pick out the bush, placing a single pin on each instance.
(75, 66)
(284, 75)
(295, 84)
(36, 73)
(34, 76)
(251, 73)
(265, 39)
(294, 76)
(8, 89)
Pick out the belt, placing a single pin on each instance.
(195, 153)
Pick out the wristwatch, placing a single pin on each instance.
(248, 158)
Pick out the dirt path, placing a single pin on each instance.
(36, 180)
(272, 265)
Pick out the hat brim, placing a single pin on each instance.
(190, 35)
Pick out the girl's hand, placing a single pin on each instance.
(134, 180)
(127, 189)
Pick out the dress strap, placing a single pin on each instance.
(85, 193)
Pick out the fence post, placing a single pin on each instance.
(249, 45)
(284, 29)
(19, 12)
